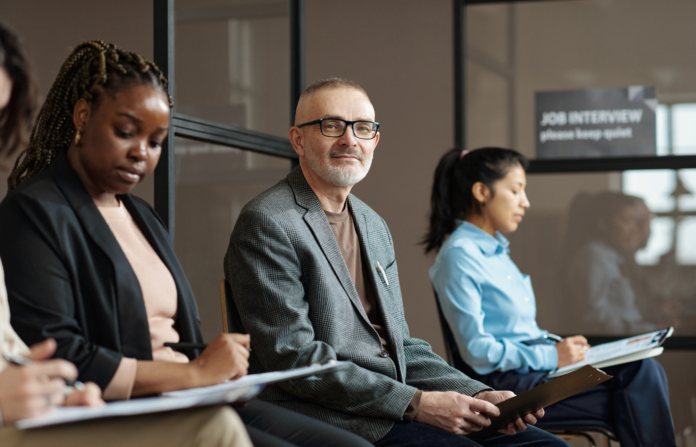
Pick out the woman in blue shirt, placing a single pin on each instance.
(490, 305)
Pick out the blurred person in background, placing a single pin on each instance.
(611, 292)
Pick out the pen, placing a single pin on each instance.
(182, 346)
(555, 338)
(20, 360)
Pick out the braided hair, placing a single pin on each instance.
(452, 197)
(92, 69)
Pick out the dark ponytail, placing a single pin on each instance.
(455, 176)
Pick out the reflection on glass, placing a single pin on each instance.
(606, 285)
(611, 253)
(543, 46)
(662, 130)
(654, 186)
(684, 128)
(213, 183)
(488, 97)
(487, 27)
(671, 196)
(660, 242)
(232, 62)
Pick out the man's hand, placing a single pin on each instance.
(519, 424)
(32, 390)
(571, 350)
(455, 412)
(227, 357)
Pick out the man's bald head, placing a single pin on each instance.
(322, 84)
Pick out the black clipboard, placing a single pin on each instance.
(542, 396)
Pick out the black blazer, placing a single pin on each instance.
(67, 277)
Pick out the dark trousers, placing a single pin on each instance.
(634, 404)
(272, 426)
(415, 434)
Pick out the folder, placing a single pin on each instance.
(542, 396)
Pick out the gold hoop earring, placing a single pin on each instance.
(78, 137)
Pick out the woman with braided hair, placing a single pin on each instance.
(35, 389)
(92, 266)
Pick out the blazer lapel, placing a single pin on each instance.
(370, 259)
(134, 340)
(320, 227)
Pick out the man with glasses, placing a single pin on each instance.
(313, 277)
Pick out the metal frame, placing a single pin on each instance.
(164, 58)
(200, 129)
(233, 136)
(297, 54)
(459, 72)
(611, 164)
(297, 61)
(560, 165)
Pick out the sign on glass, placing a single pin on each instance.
(609, 122)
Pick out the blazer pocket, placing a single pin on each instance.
(385, 272)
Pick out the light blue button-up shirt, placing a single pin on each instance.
(489, 304)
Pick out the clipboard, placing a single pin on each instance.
(228, 392)
(542, 396)
(626, 350)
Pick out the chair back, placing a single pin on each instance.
(453, 356)
(569, 429)
(230, 317)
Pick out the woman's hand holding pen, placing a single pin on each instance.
(34, 389)
(89, 395)
(571, 350)
(227, 357)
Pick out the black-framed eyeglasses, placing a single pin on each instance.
(335, 127)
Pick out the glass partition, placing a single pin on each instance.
(232, 62)
(611, 253)
(516, 50)
(213, 183)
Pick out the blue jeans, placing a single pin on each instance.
(416, 434)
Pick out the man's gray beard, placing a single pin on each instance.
(338, 176)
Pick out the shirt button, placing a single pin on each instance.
(509, 277)
(526, 299)
(384, 354)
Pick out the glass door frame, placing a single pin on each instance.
(207, 131)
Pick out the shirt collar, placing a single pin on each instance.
(488, 244)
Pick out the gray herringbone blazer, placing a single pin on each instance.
(294, 295)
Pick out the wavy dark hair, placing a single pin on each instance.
(452, 196)
(17, 118)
